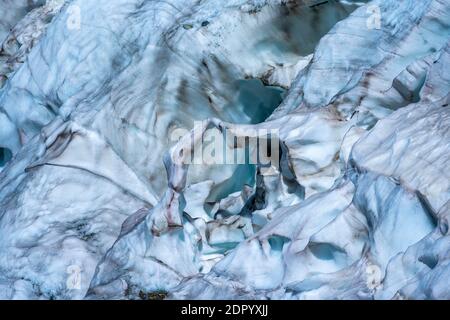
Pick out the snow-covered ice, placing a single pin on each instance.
(103, 102)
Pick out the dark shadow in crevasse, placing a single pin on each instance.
(258, 100)
(5, 156)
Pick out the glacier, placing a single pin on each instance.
(103, 103)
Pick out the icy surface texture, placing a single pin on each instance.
(97, 200)
(24, 35)
(13, 11)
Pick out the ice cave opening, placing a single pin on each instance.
(258, 100)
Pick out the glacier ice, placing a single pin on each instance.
(99, 201)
